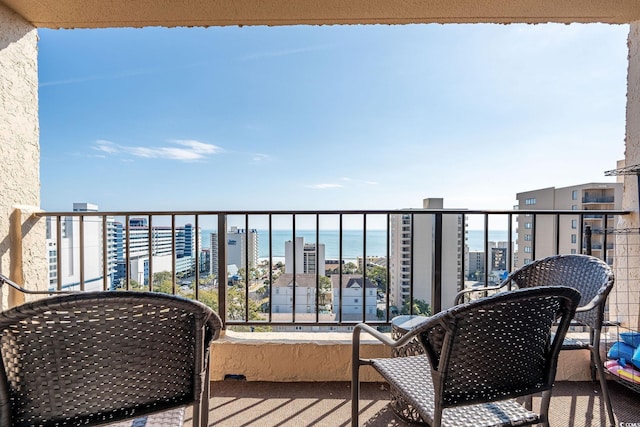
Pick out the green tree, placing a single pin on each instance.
(325, 289)
(350, 268)
(210, 298)
(163, 282)
(420, 308)
(378, 275)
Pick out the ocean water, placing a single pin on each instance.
(352, 241)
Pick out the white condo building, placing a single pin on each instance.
(242, 249)
(308, 256)
(411, 261)
(69, 244)
(578, 197)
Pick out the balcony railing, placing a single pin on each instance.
(279, 280)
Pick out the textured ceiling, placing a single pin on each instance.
(171, 13)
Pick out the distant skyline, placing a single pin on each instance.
(327, 117)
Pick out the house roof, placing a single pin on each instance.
(175, 13)
(351, 281)
(302, 280)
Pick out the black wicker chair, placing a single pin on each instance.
(478, 358)
(589, 275)
(100, 357)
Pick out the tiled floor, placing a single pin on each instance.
(239, 403)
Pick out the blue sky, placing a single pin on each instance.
(327, 117)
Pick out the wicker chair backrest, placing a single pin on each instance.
(589, 275)
(498, 347)
(97, 357)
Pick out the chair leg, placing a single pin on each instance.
(544, 406)
(603, 385)
(355, 393)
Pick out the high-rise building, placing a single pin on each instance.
(411, 261)
(242, 249)
(160, 241)
(68, 243)
(605, 196)
(308, 256)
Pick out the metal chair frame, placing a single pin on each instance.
(479, 357)
(592, 277)
(92, 358)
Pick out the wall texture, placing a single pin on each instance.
(20, 153)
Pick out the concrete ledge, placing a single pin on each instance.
(291, 357)
(324, 356)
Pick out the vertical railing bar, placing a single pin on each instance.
(318, 267)
(364, 267)
(534, 219)
(247, 267)
(105, 257)
(81, 250)
(270, 218)
(510, 263)
(581, 231)
(411, 260)
(487, 255)
(150, 250)
(127, 268)
(556, 227)
(174, 254)
(604, 238)
(388, 314)
(196, 230)
(462, 246)
(340, 268)
(59, 252)
(222, 266)
(293, 277)
(437, 265)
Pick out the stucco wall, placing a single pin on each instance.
(624, 301)
(291, 357)
(20, 152)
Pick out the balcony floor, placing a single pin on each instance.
(239, 403)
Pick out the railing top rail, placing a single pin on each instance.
(338, 212)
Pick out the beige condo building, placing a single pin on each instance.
(541, 230)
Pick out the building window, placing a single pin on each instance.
(355, 300)
(530, 201)
(574, 195)
(527, 225)
(527, 237)
(574, 223)
(527, 249)
(574, 238)
(574, 207)
(573, 252)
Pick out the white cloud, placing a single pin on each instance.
(358, 181)
(192, 151)
(324, 186)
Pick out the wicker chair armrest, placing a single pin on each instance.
(595, 302)
(459, 299)
(4, 280)
(384, 338)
